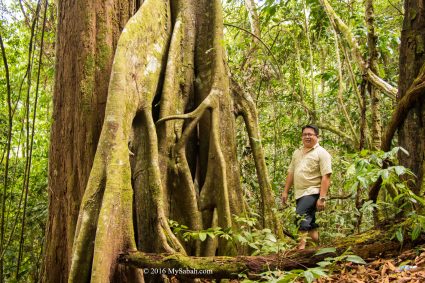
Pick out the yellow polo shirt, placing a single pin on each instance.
(308, 169)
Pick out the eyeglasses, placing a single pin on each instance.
(308, 135)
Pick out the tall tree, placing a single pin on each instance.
(167, 147)
(412, 58)
(87, 34)
(373, 65)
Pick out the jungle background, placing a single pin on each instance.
(298, 67)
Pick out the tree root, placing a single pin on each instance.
(245, 106)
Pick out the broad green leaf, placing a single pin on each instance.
(241, 239)
(324, 263)
(308, 276)
(399, 235)
(202, 236)
(211, 235)
(325, 251)
(416, 232)
(385, 174)
(399, 170)
(355, 259)
(418, 198)
(271, 238)
(252, 245)
(318, 272)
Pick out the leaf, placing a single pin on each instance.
(404, 151)
(271, 238)
(241, 239)
(416, 232)
(324, 263)
(362, 181)
(318, 272)
(202, 236)
(252, 245)
(211, 235)
(418, 198)
(384, 174)
(399, 170)
(325, 251)
(399, 235)
(308, 275)
(355, 259)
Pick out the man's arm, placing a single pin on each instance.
(324, 186)
(288, 185)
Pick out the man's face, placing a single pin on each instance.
(309, 138)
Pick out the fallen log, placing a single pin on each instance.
(369, 246)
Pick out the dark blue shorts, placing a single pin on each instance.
(306, 210)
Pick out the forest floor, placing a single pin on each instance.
(409, 266)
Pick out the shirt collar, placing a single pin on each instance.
(314, 147)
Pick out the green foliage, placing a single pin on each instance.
(324, 268)
(332, 262)
(259, 241)
(278, 276)
(368, 167)
(24, 192)
(202, 235)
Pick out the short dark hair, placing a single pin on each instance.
(314, 127)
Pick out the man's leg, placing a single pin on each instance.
(303, 240)
(306, 208)
(314, 235)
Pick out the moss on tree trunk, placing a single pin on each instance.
(167, 149)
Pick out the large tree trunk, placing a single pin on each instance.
(412, 57)
(87, 35)
(167, 147)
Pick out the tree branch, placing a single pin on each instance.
(415, 91)
(341, 27)
(276, 65)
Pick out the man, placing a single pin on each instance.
(310, 171)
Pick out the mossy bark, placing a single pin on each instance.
(87, 35)
(412, 57)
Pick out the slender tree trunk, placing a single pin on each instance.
(372, 62)
(87, 34)
(314, 102)
(412, 57)
(7, 156)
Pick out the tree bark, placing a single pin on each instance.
(167, 148)
(87, 34)
(373, 66)
(412, 57)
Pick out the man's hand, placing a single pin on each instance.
(320, 204)
(284, 197)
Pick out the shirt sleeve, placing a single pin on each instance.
(325, 163)
(292, 164)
